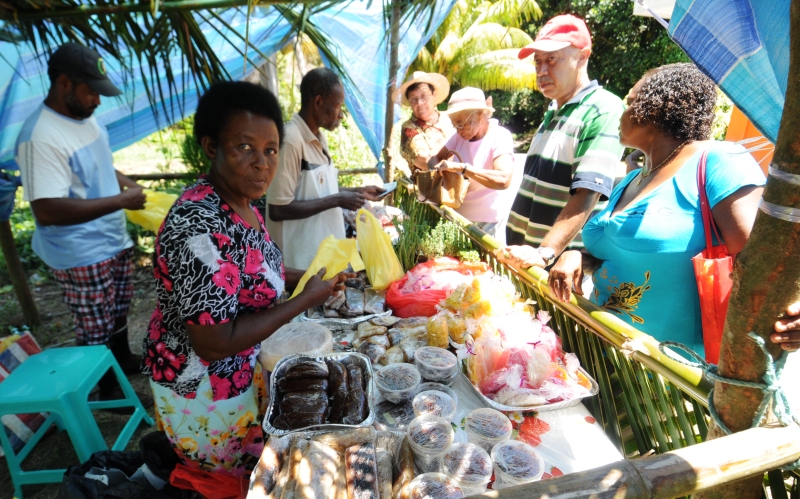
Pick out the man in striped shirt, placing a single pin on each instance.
(573, 157)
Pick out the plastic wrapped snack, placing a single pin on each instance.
(431, 385)
(516, 463)
(387, 321)
(366, 330)
(456, 328)
(307, 369)
(487, 427)
(437, 331)
(390, 416)
(295, 337)
(393, 355)
(429, 436)
(397, 382)
(436, 403)
(436, 364)
(411, 323)
(469, 465)
(371, 350)
(410, 345)
(434, 486)
(374, 301)
(310, 401)
(299, 385)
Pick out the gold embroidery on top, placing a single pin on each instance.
(625, 298)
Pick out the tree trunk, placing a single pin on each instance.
(766, 281)
(394, 66)
(17, 276)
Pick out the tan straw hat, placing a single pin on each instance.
(468, 98)
(441, 87)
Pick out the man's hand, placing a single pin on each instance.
(566, 273)
(351, 200)
(520, 257)
(132, 198)
(372, 192)
(788, 330)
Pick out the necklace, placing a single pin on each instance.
(669, 158)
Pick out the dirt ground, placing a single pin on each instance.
(55, 449)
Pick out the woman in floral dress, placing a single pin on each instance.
(218, 278)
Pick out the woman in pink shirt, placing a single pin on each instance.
(487, 154)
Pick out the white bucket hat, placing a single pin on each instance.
(468, 98)
(441, 87)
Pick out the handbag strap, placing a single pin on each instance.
(705, 208)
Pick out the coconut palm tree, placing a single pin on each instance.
(477, 45)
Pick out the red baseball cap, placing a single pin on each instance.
(559, 32)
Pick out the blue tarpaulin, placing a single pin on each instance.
(743, 45)
(357, 30)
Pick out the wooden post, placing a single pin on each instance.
(750, 453)
(766, 281)
(17, 276)
(394, 66)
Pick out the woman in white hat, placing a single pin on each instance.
(427, 130)
(487, 152)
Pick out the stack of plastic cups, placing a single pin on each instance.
(516, 463)
(487, 428)
(429, 436)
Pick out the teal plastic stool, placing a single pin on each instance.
(58, 381)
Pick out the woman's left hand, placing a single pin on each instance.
(567, 271)
(450, 166)
(788, 330)
(372, 192)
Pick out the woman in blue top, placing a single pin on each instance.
(639, 248)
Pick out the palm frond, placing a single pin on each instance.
(498, 70)
(513, 12)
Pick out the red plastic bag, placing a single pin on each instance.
(422, 303)
(211, 485)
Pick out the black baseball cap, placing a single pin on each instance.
(79, 61)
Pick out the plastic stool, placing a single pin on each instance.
(58, 381)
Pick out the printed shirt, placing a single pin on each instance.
(482, 204)
(60, 157)
(305, 172)
(420, 137)
(576, 146)
(210, 268)
(647, 277)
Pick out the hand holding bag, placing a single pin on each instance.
(441, 188)
(713, 270)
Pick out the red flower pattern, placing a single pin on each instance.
(258, 297)
(222, 240)
(196, 193)
(242, 377)
(254, 262)
(205, 319)
(553, 473)
(221, 387)
(161, 272)
(163, 362)
(227, 277)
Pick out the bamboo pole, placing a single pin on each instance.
(685, 471)
(766, 279)
(394, 66)
(33, 14)
(17, 276)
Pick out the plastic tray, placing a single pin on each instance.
(539, 408)
(342, 324)
(345, 358)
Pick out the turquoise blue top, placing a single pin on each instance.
(647, 277)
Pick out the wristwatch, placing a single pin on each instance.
(547, 254)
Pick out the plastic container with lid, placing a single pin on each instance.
(516, 463)
(436, 364)
(296, 337)
(436, 403)
(397, 382)
(469, 465)
(487, 427)
(429, 436)
(434, 486)
(431, 385)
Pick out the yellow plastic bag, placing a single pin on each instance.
(383, 266)
(333, 254)
(155, 210)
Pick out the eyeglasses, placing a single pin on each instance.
(464, 123)
(420, 100)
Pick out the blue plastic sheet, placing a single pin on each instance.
(357, 29)
(743, 45)
(8, 191)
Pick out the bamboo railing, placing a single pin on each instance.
(647, 402)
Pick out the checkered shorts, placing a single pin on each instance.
(97, 295)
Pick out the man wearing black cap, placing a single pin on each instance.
(77, 198)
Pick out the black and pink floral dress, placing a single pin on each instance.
(210, 267)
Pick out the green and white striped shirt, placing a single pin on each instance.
(575, 147)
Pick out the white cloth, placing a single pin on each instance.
(482, 204)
